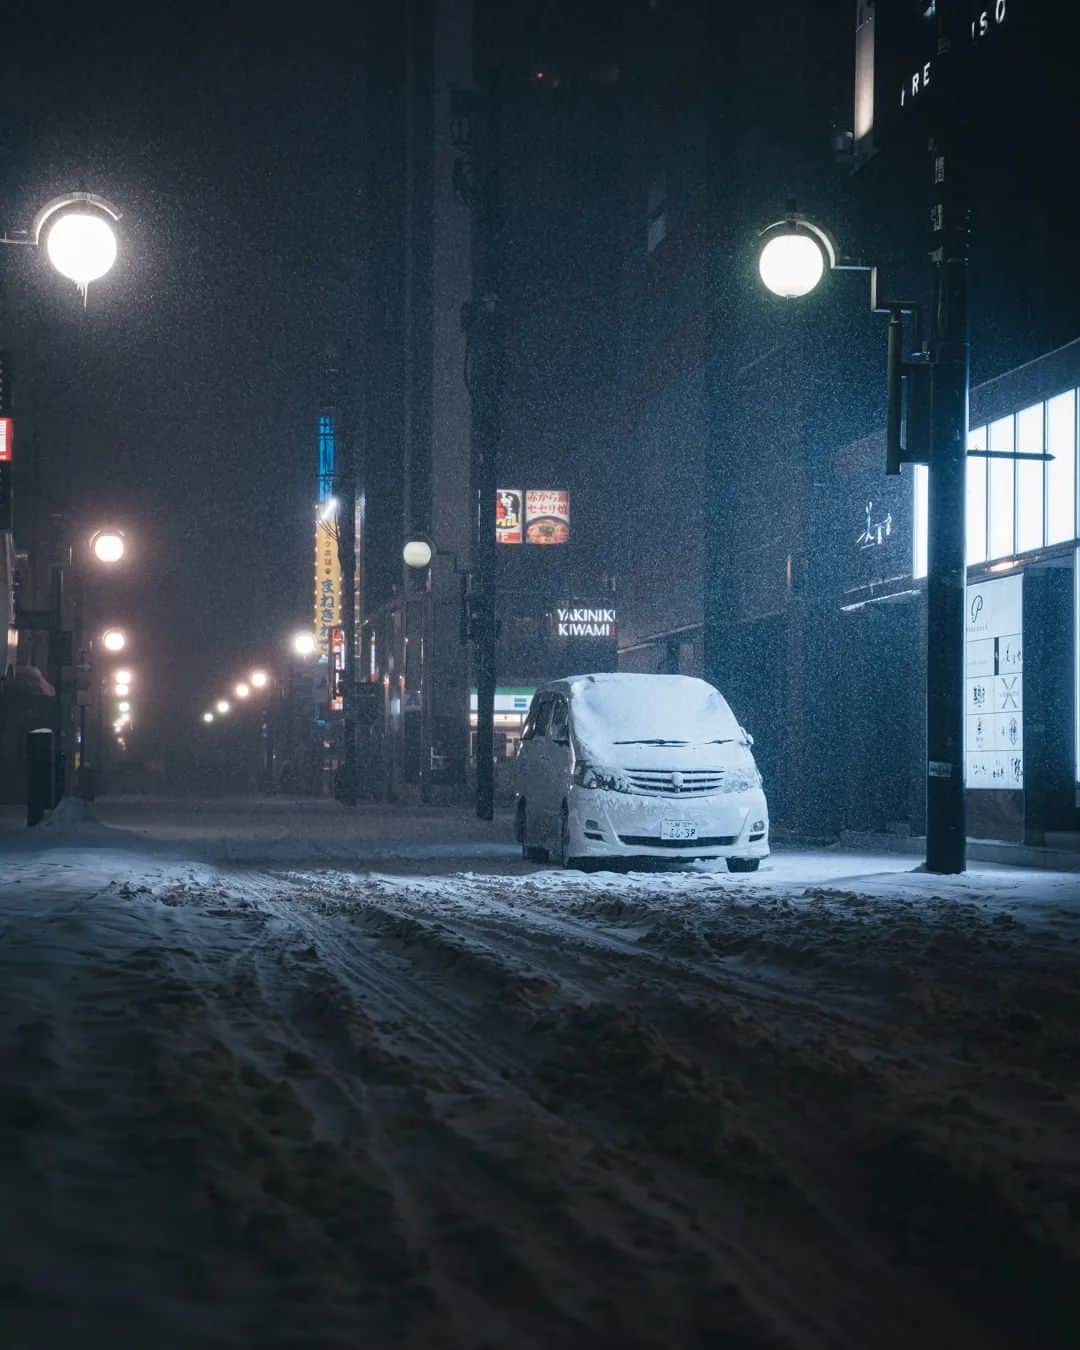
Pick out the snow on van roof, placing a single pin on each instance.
(612, 707)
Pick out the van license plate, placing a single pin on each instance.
(678, 829)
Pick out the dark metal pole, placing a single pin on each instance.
(486, 355)
(57, 640)
(946, 814)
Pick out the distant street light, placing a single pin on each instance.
(242, 690)
(259, 679)
(124, 706)
(122, 676)
(114, 640)
(418, 552)
(303, 644)
(121, 690)
(108, 546)
(208, 717)
(222, 706)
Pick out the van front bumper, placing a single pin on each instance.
(632, 825)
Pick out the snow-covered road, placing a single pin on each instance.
(270, 1079)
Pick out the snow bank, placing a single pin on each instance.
(69, 816)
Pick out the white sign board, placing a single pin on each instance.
(994, 684)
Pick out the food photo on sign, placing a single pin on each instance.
(547, 516)
(508, 516)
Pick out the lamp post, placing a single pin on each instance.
(80, 242)
(794, 255)
(485, 365)
(418, 553)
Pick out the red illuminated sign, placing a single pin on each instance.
(7, 439)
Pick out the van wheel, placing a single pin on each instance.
(743, 864)
(530, 852)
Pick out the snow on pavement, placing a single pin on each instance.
(276, 1077)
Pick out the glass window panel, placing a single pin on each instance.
(976, 499)
(1061, 471)
(1029, 480)
(1002, 491)
(920, 518)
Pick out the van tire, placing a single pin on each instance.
(529, 852)
(743, 864)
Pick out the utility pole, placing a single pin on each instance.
(482, 320)
(946, 807)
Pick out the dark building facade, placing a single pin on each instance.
(753, 534)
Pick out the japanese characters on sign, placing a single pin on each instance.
(994, 680)
(535, 516)
(327, 586)
(509, 516)
(547, 516)
(337, 667)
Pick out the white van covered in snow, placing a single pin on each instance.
(638, 766)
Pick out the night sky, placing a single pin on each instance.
(181, 404)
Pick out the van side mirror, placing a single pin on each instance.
(746, 736)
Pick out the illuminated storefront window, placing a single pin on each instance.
(1014, 506)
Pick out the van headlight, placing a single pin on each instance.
(593, 776)
(743, 779)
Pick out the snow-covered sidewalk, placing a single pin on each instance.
(272, 1076)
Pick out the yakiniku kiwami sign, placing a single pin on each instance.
(585, 621)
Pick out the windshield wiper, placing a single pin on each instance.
(655, 740)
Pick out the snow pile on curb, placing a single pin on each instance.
(69, 815)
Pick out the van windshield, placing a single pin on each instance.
(656, 710)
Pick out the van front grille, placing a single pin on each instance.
(676, 783)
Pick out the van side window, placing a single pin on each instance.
(543, 716)
(559, 730)
(529, 729)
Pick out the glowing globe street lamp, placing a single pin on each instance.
(82, 247)
(242, 690)
(259, 679)
(108, 546)
(114, 639)
(77, 231)
(303, 644)
(418, 552)
(208, 717)
(793, 255)
(222, 706)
